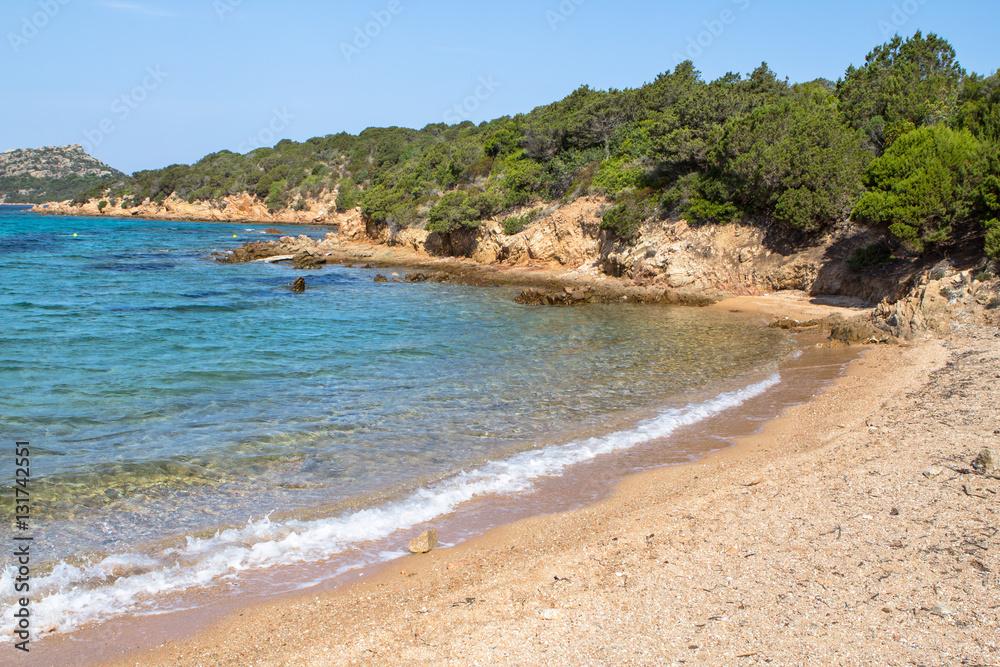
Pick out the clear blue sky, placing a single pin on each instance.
(146, 83)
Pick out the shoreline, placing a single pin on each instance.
(485, 564)
(554, 501)
(453, 566)
(763, 551)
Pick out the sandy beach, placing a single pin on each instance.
(850, 530)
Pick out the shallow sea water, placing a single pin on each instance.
(191, 420)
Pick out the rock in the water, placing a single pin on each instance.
(299, 284)
(273, 230)
(427, 541)
(986, 461)
(566, 297)
(420, 277)
(381, 279)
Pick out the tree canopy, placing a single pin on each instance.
(907, 141)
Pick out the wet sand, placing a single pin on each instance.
(818, 540)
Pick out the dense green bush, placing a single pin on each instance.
(628, 214)
(903, 83)
(515, 223)
(923, 185)
(792, 160)
(347, 196)
(992, 245)
(870, 257)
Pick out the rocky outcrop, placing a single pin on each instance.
(941, 300)
(233, 208)
(671, 256)
(671, 261)
(546, 297)
(54, 162)
(302, 251)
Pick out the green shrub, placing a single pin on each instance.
(923, 185)
(449, 213)
(992, 245)
(347, 196)
(515, 223)
(460, 209)
(101, 205)
(263, 187)
(792, 160)
(277, 199)
(613, 176)
(870, 257)
(627, 216)
(521, 179)
(384, 204)
(700, 209)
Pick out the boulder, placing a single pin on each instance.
(310, 258)
(427, 541)
(299, 284)
(566, 297)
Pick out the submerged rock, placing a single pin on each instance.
(381, 279)
(566, 297)
(421, 277)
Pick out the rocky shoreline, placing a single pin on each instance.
(932, 301)
(565, 258)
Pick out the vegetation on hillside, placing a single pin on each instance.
(906, 142)
(52, 173)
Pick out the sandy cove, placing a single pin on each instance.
(851, 530)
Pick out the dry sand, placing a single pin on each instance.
(850, 531)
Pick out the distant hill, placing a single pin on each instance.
(51, 173)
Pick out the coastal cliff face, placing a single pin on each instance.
(234, 208)
(706, 259)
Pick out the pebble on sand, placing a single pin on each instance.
(427, 541)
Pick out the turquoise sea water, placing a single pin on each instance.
(190, 420)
